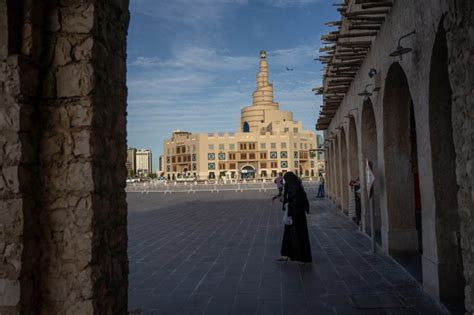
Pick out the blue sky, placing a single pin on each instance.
(192, 63)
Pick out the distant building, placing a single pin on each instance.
(320, 154)
(144, 162)
(269, 141)
(131, 162)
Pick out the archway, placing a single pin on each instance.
(402, 226)
(450, 265)
(337, 172)
(343, 171)
(369, 153)
(353, 161)
(247, 172)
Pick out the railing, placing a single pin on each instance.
(207, 186)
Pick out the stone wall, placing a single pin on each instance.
(62, 202)
(459, 23)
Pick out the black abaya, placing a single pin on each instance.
(295, 242)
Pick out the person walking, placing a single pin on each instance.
(321, 186)
(279, 182)
(295, 244)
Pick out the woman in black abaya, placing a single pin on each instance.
(295, 244)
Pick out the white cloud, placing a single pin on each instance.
(289, 3)
(193, 13)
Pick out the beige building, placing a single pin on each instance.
(144, 162)
(269, 141)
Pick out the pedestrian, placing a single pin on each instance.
(321, 186)
(279, 182)
(295, 244)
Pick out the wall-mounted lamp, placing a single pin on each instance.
(366, 94)
(348, 113)
(400, 51)
(372, 72)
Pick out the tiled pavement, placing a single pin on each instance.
(214, 253)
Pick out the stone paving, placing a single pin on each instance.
(215, 253)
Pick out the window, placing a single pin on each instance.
(194, 166)
(273, 155)
(174, 168)
(173, 159)
(212, 175)
(295, 154)
(284, 164)
(263, 165)
(179, 159)
(211, 166)
(284, 154)
(231, 156)
(243, 146)
(232, 146)
(296, 164)
(188, 149)
(168, 168)
(274, 173)
(251, 146)
(232, 166)
(221, 146)
(295, 130)
(168, 160)
(243, 156)
(286, 130)
(222, 166)
(194, 157)
(273, 165)
(211, 156)
(211, 147)
(273, 145)
(301, 146)
(305, 146)
(312, 164)
(245, 127)
(221, 156)
(264, 174)
(263, 155)
(263, 146)
(251, 156)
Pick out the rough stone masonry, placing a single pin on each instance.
(63, 239)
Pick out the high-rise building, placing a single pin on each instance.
(131, 162)
(144, 162)
(269, 141)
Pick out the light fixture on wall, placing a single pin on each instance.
(366, 94)
(400, 51)
(372, 72)
(348, 116)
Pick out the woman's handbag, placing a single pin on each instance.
(286, 219)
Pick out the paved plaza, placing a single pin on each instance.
(215, 253)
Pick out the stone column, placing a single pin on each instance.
(63, 209)
(460, 29)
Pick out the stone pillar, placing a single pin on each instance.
(459, 24)
(63, 209)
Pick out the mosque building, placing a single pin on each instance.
(269, 141)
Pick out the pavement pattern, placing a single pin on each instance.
(215, 253)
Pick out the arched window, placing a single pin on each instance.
(246, 127)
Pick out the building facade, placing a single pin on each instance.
(131, 162)
(399, 98)
(144, 162)
(269, 141)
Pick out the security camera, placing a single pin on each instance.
(372, 72)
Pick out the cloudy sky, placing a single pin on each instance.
(192, 63)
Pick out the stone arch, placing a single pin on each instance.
(337, 171)
(402, 229)
(369, 152)
(353, 156)
(343, 173)
(443, 157)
